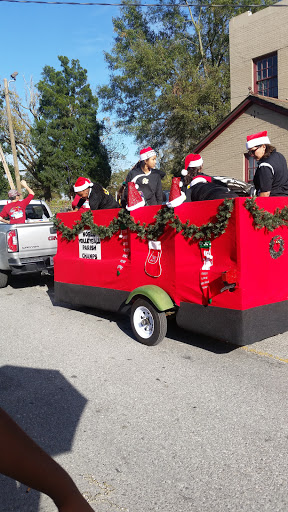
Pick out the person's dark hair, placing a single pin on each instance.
(120, 192)
(136, 166)
(192, 171)
(269, 149)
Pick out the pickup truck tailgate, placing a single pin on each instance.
(41, 240)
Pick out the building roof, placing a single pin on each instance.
(280, 106)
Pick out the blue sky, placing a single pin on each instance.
(34, 35)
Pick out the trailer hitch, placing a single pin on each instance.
(229, 278)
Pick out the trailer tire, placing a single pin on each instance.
(3, 279)
(149, 326)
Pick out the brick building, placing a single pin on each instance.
(259, 64)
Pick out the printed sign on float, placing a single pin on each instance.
(89, 246)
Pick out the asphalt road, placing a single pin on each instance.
(191, 425)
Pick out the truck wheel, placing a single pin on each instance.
(148, 325)
(3, 279)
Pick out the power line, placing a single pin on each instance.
(44, 2)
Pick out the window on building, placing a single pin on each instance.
(265, 76)
(250, 168)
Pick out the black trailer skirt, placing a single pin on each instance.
(235, 326)
(91, 296)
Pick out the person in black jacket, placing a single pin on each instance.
(98, 197)
(199, 186)
(147, 179)
(271, 176)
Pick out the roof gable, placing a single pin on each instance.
(280, 106)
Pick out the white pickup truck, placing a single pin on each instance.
(30, 247)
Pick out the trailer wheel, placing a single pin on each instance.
(148, 325)
(3, 279)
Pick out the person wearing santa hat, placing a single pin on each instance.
(147, 179)
(98, 197)
(271, 176)
(199, 186)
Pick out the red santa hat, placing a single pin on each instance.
(257, 139)
(192, 160)
(82, 184)
(135, 200)
(147, 153)
(176, 196)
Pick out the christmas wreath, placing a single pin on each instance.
(276, 247)
(164, 217)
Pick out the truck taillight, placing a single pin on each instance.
(12, 241)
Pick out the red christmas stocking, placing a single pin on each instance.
(207, 260)
(204, 284)
(153, 261)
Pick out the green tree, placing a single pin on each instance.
(67, 135)
(4, 185)
(117, 178)
(169, 80)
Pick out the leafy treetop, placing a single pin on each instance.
(67, 135)
(169, 73)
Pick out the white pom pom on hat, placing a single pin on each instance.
(184, 172)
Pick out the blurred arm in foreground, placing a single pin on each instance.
(22, 459)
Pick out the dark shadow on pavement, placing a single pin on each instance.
(48, 407)
(29, 280)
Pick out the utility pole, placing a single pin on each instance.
(12, 138)
(6, 169)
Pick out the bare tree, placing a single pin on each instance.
(116, 149)
(23, 115)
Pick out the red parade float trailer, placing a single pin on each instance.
(222, 272)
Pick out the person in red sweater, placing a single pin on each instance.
(15, 210)
(82, 208)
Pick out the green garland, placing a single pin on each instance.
(263, 219)
(166, 216)
(163, 218)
